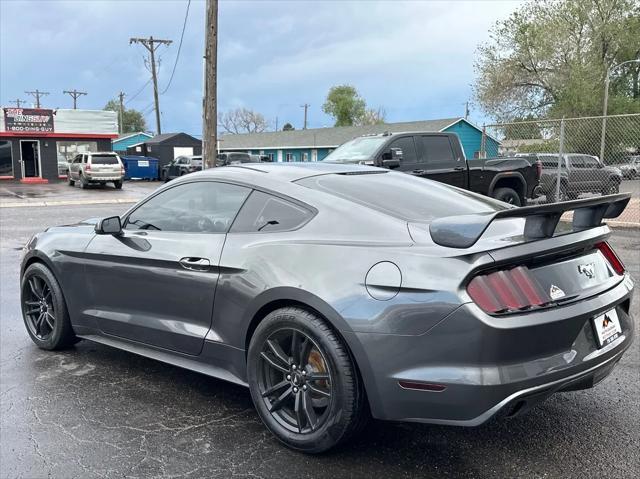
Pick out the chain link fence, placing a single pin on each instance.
(580, 157)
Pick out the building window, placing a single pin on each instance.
(69, 149)
(290, 157)
(6, 160)
(305, 156)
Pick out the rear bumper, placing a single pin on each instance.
(99, 177)
(492, 366)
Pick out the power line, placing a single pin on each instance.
(74, 94)
(139, 91)
(184, 26)
(37, 94)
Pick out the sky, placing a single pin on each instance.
(414, 59)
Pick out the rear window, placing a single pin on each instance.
(104, 160)
(403, 196)
(196, 161)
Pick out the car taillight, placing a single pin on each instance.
(539, 168)
(611, 257)
(87, 167)
(509, 290)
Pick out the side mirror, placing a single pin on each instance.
(109, 226)
(392, 158)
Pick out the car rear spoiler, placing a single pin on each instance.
(540, 221)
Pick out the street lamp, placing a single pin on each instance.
(606, 101)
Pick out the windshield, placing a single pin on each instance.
(403, 196)
(360, 149)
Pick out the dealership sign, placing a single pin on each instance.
(33, 120)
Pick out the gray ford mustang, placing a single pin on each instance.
(339, 292)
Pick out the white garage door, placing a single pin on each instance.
(182, 151)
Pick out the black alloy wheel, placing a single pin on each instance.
(294, 381)
(44, 309)
(40, 313)
(304, 382)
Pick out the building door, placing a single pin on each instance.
(314, 155)
(30, 158)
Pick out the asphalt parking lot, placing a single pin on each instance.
(92, 411)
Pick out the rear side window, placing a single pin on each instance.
(104, 160)
(268, 213)
(403, 196)
(438, 151)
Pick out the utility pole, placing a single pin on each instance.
(18, 102)
(210, 112)
(152, 44)
(466, 110)
(306, 107)
(74, 94)
(121, 96)
(37, 94)
(276, 123)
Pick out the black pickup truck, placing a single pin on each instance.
(439, 156)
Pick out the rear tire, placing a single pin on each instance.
(44, 310)
(563, 194)
(508, 195)
(118, 184)
(306, 414)
(612, 188)
(83, 182)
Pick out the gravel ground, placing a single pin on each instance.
(94, 412)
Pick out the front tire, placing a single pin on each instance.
(508, 195)
(303, 382)
(70, 181)
(44, 310)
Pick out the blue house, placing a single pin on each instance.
(315, 144)
(120, 144)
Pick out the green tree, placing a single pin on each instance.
(288, 127)
(345, 105)
(132, 121)
(550, 58)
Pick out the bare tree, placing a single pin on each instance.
(372, 116)
(242, 120)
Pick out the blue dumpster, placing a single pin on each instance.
(140, 167)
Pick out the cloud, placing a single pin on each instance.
(413, 58)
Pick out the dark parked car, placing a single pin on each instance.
(440, 157)
(234, 158)
(338, 291)
(578, 174)
(182, 165)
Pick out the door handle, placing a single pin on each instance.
(195, 264)
(458, 168)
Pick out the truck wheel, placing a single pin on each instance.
(508, 195)
(612, 188)
(117, 184)
(83, 182)
(69, 180)
(551, 197)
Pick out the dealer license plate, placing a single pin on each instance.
(607, 327)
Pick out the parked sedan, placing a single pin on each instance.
(336, 292)
(182, 165)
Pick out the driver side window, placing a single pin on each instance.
(201, 207)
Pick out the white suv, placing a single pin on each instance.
(99, 167)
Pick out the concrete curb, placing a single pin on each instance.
(68, 203)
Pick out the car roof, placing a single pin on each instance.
(287, 172)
